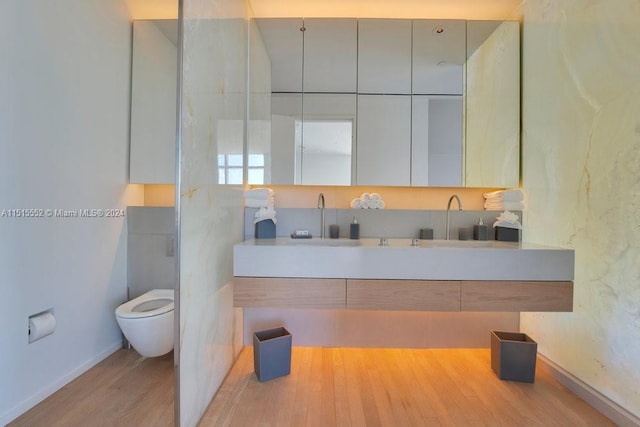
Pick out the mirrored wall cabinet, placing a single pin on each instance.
(154, 81)
(394, 102)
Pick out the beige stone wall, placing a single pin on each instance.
(581, 174)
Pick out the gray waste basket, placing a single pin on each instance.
(271, 353)
(513, 356)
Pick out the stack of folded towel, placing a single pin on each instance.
(368, 201)
(504, 200)
(259, 198)
(264, 199)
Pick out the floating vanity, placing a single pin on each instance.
(436, 275)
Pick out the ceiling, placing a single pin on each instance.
(443, 9)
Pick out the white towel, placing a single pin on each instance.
(265, 213)
(368, 201)
(259, 198)
(508, 219)
(513, 195)
(259, 203)
(356, 203)
(259, 193)
(500, 206)
(377, 204)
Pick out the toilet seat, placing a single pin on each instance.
(150, 304)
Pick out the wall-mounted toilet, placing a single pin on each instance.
(147, 322)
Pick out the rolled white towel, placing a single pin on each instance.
(365, 204)
(365, 197)
(381, 204)
(356, 203)
(375, 196)
(513, 195)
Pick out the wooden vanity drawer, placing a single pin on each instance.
(424, 295)
(288, 292)
(516, 296)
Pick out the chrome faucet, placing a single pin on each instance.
(321, 206)
(455, 196)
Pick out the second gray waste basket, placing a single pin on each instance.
(271, 353)
(513, 356)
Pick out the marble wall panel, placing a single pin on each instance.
(214, 93)
(581, 174)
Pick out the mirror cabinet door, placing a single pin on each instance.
(282, 38)
(328, 138)
(384, 56)
(384, 140)
(439, 55)
(436, 148)
(154, 79)
(330, 55)
(437, 102)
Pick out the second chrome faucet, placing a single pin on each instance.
(455, 196)
(321, 206)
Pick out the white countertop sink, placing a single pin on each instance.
(399, 259)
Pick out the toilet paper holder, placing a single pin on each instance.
(41, 324)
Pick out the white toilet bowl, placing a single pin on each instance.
(147, 322)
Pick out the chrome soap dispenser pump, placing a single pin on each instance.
(480, 231)
(354, 229)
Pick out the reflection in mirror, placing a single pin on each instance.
(230, 158)
(286, 110)
(259, 110)
(436, 150)
(492, 139)
(327, 139)
(312, 136)
(324, 152)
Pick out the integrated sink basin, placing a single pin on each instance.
(399, 259)
(470, 244)
(322, 242)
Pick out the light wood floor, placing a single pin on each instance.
(393, 387)
(125, 389)
(327, 386)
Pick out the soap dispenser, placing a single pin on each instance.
(480, 231)
(354, 229)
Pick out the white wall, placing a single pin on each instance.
(581, 163)
(64, 96)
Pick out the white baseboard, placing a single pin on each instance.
(593, 397)
(47, 391)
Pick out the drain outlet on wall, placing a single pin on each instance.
(41, 325)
